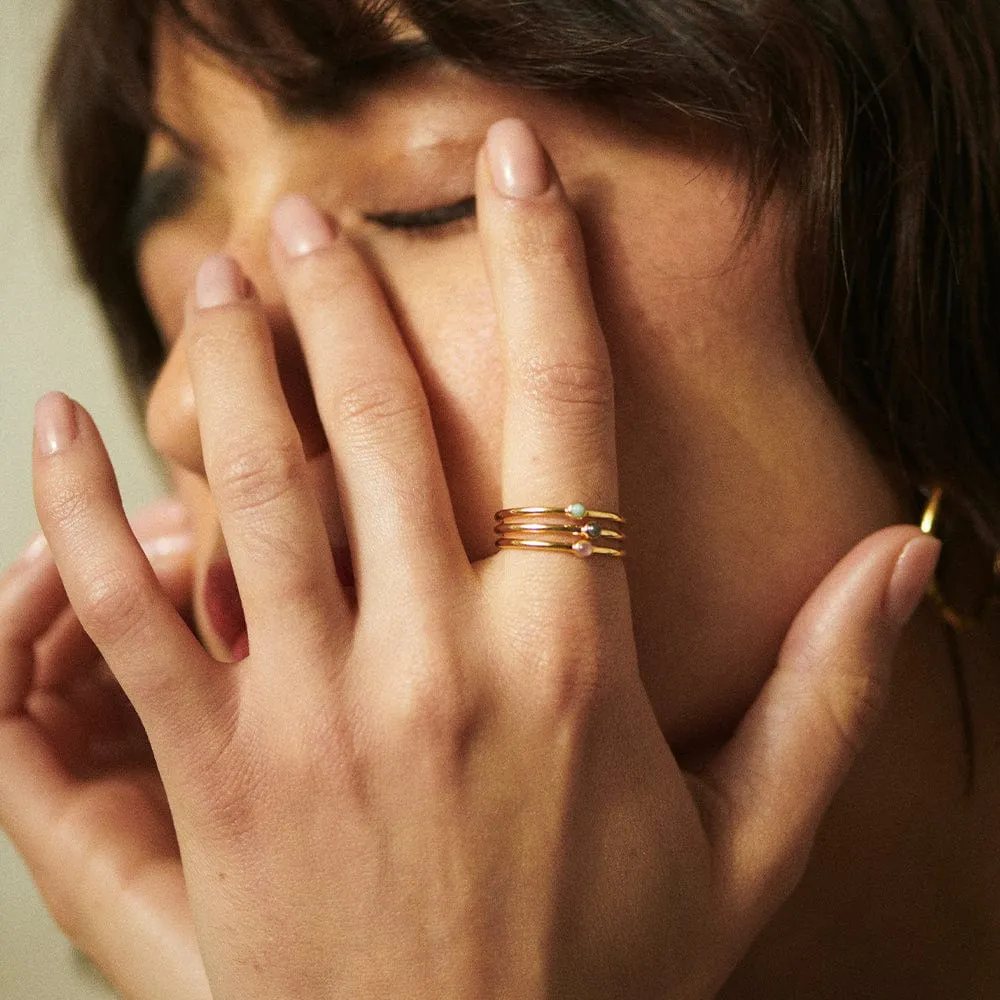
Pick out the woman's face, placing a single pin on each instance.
(741, 480)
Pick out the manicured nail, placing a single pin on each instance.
(220, 282)
(300, 227)
(162, 517)
(516, 159)
(911, 578)
(168, 546)
(34, 550)
(55, 423)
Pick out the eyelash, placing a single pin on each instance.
(429, 219)
(163, 194)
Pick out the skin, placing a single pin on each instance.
(721, 446)
(725, 430)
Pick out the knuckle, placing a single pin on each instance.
(255, 475)
(851, 708)
(561, 669)
(561, 388)
(428, 708)
(110, 604)
(569, 685)
(376, 407)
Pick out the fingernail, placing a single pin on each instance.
(160, 518)
(34, 550)
(55, 423)
(220, 282)
(300, 227)
(516, 160)
(168, 546)
(911, 578)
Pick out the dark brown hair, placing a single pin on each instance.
(881, 117)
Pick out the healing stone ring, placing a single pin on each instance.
(590, 532)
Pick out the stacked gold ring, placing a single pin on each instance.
(574, 529)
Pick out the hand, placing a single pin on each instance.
(454, 786)
(80, 795)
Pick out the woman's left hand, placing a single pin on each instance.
(456, 788)
(80, 796)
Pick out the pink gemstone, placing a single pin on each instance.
(583, 549)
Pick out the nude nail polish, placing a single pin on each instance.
(516, 159)
(911, 577)
(300, 227)
(220, 282)
(34, 550)
(55, 423)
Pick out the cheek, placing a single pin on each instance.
(743, 481)
(167, 267)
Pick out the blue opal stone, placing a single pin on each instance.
(576, 510)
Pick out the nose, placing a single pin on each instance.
(171, 413)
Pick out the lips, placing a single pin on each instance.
(224, 609)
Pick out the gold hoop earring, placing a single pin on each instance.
(964, 618)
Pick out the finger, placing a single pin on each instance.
(66, 649)
(559, 443)
(256, 465)
(110, 583)
(373, 406)
(107, 869)
(64, 652)
(793, 750)
(31, 598)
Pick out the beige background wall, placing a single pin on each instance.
(49, 338)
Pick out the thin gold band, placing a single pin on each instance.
(582, 549)
(595, 531)
(512, 527)
(577, 511)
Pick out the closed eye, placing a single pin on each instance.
(165, 193)
(161, 194)
(427, 220)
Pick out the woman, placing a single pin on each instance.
(383, 266)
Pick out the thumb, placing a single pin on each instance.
(778, 774)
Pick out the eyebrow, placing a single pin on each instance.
(354, 80)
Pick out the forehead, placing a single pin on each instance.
(207, 105)
(309, 57)
(186, 73)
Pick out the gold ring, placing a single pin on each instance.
(577, 511)
(582, 549)
(596, 532)
(588, 530)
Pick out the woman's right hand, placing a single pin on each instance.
(80, 795)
